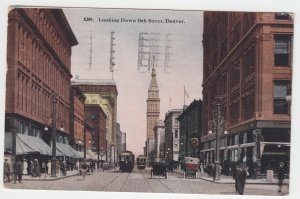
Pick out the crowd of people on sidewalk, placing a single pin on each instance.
(35, 168)
(241, 173)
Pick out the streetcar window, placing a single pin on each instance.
(125, 158)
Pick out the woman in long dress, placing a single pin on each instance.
(25, 167)
(49, 167)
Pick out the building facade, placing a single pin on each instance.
(123, 142)
(38, 73)
(190, 130)
(248, 62)
(104, 93)
(95, 119)
(77, 100)
(159, 139)
(119, 139)
(153, 111)
(172, 134)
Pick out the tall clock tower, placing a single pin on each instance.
(153, 110)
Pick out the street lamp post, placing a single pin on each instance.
(53, 164)
(101, 155)
(288, 97)
(216, 126)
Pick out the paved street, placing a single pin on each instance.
(140, 181)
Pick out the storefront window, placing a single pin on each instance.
(280, 91)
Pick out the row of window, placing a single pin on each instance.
(31, 55)
(51, 34)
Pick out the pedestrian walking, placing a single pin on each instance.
(280, 176)
(209, 170)
(240, 176)
(6, 170)
(36, 168)
(49, 167)
(44, 167)
(64, 168)
(31, 167)
(25, 167)
(77, 166)
(18, 170)
(84, 167)
(213, 171)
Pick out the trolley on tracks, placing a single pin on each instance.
(141, 162)
(126, 161)
(190, 167)
(160, 168)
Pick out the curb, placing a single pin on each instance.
(262, 183)
(48, 179)
(220, 182)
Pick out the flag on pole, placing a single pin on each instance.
(186, 94)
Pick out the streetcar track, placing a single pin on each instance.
(158, 179)
(152, 190)
(125, 182)
(165, 185)
(110, 182)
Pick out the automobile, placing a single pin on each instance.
(106, 166)
(159, 168)
(190, 167)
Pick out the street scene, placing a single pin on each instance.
(148, 101)
(141, 181)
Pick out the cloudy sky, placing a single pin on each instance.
(185, 68)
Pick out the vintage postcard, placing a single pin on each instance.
(148, 101)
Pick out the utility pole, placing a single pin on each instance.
(53, 164)
(168, 52)
(112, 51)
(91, 52)
(149, 47)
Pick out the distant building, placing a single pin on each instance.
(95, 119)
(119, 140)
(190, 130)
(159, 139)
(104, 93)
(123, 142)
(248, 62)
(172, 134)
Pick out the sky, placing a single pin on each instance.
(132, 84)
(136, 132)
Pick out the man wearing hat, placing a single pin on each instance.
(6, 170)
(280, 176)
(18, 170)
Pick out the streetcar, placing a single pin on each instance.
(126, 161)
(141, 162)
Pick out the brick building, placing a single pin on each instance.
(104, 93)
(95, 121)
(248, 62)
(38, 65)
(77, 100)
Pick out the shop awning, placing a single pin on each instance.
(67, 150)
(91, 155)
(26, 144)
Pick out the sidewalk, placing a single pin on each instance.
(47, 177)
(229, 180)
